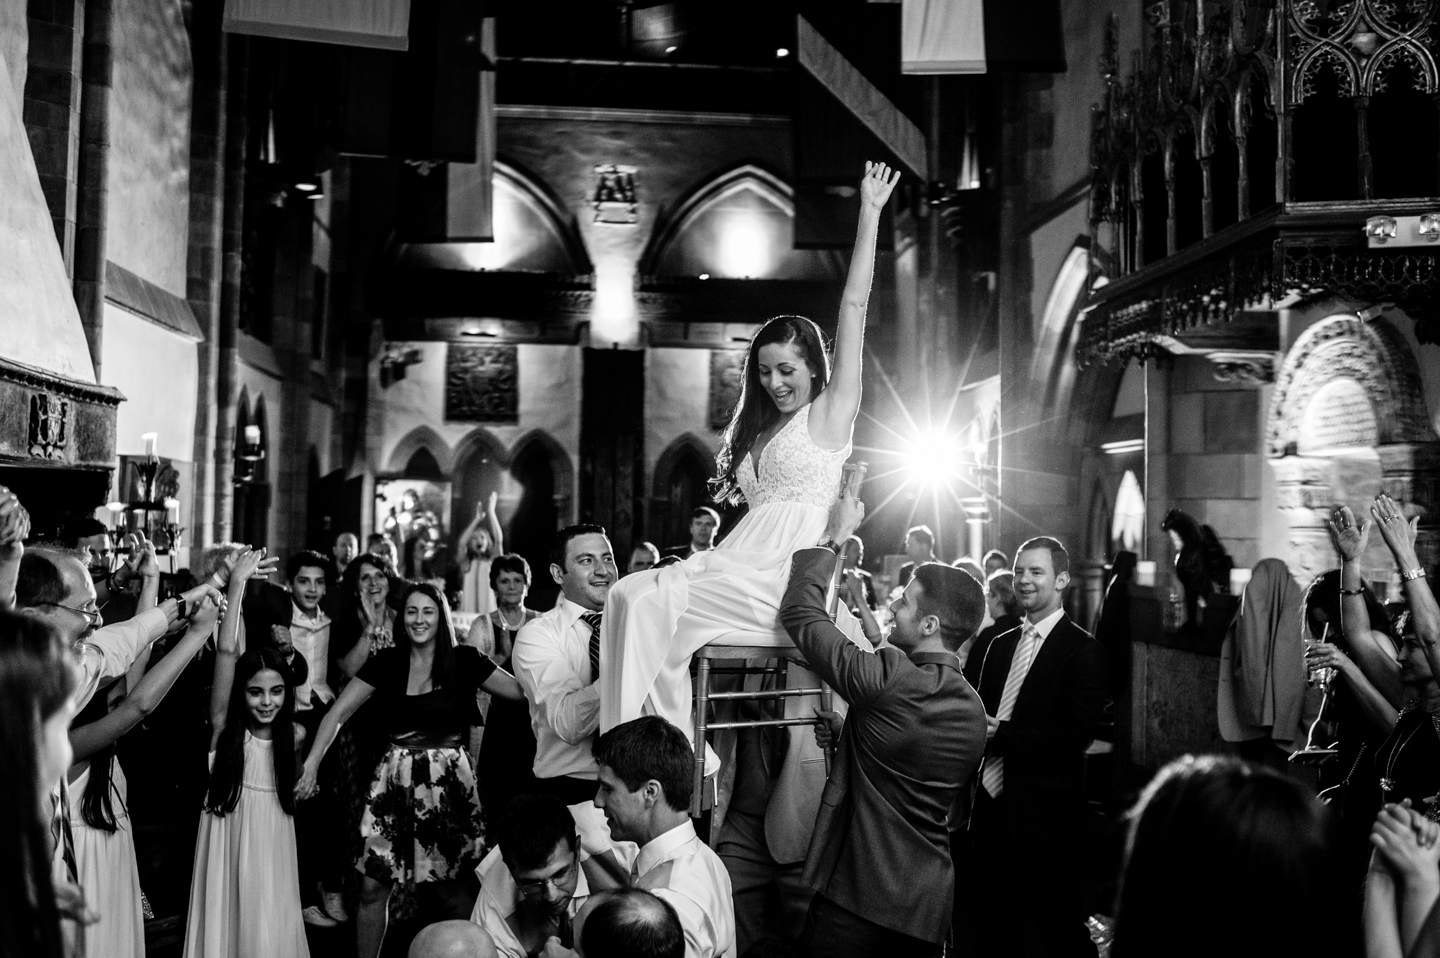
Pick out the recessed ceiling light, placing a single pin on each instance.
(782, 52)
(704, 275)
(671, 49)
(317, 195)
(306, 186)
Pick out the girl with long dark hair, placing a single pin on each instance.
(782, 454)
(100, 818)
(423, 826)
(245, 889)
(38, 677)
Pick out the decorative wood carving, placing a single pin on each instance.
(482, 384)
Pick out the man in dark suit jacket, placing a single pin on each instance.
(1043, 685)
(704, 527)
(879, 859)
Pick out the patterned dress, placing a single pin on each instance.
(423, 819)
(656, 620)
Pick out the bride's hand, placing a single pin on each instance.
(876, 185)
(845, 517)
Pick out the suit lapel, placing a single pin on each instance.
(997, 668)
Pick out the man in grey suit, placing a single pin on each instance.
(879, 861)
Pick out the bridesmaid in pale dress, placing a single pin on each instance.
(245, 890)
(782, 454)
(100, 818)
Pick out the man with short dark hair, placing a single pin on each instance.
(994, 561)
(1043, 685)
(633, 923)
(880, 861)
(704, 527)
(557, 660)
(919, 548)
(646, 768)
(642, 557)
(532, 883)
(92, 541)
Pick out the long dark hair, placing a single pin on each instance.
(37, 678)
(443, 665)
(1323, 593)
(755, 410)
(1221, 856)
(96, 807)
(227, 775)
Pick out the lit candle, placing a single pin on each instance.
(252, 435)
(115, 507)
(149, 438)
(1145, 573)
(172, 512)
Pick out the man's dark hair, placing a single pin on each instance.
(650, 748)
(633, 923)
(1059, 556)
(994, 554)
(374, 539)
(563, 537)
(531, 828)
(954, 597)
(706, 511)
(40, 581)
(81, 527)
(303, 558)
(922, 533)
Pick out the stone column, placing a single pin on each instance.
(92, 201)
(1305, 497)
(1410, 474)
(52, 108)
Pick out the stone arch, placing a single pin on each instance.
(421, 437)
(560, 465)
(537, 196)
(666, 252)
(1346, 347)
(670, 513)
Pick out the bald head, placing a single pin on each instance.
(452, 939)
(52, 584)
(632, 923)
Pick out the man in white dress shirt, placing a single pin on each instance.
(557, 660)
(645, 783)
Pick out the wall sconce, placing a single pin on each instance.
(1379, 229)
(395, 360)
(1429, 227)
(1145, 574)
(251, 453)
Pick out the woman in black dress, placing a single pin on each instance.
(507, 752)
(423, 825)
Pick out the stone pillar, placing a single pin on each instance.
(1410, 474)
(203, 260)
(227, 366)
(1304, 496)
(52, 108)
(92, 200)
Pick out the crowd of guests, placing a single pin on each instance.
(343, 783)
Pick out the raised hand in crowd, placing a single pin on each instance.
(1403, 885)
(14, 530)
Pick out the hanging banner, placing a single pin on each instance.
(381, 24)
(981, 36)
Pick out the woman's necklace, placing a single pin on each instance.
(1387, 781)
(505, 621)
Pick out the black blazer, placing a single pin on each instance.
(1056, 714)
(912, 740)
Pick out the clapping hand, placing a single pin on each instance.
(1398, 534)
(145, 562)
(876, 185)
(207, 612)
(1348, 535)
(246, 565)
(1408, 843)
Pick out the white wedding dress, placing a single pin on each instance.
(656, 620)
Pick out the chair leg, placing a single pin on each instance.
(702, 708)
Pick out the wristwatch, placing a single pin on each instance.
(1412, 574)
(828, 543)
(180, 607)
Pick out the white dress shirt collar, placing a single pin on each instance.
(662, 846)
(1046, 624)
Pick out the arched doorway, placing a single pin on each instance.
(535, 520)
(1348, 419)
(479, 470)
(681, 484)
(250, 515)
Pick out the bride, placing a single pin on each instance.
(782, 454)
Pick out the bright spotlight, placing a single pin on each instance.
(934, 459)
(781, 52)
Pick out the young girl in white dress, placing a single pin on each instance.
(782, 453)
(99, 813)
(477, 547)
(245, 891)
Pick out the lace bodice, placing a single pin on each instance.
(793, 468)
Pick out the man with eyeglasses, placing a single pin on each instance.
(534, 882)
(54, 585)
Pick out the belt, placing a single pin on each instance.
(430, 739)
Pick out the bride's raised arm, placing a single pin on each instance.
(834, 411)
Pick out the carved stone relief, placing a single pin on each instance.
(482, 384)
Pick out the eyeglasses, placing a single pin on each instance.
(92, 618)
(528, 888)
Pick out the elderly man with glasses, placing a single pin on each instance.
(55, 586)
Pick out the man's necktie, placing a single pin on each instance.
(61, 833)
(592, 619)
(993, 775)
